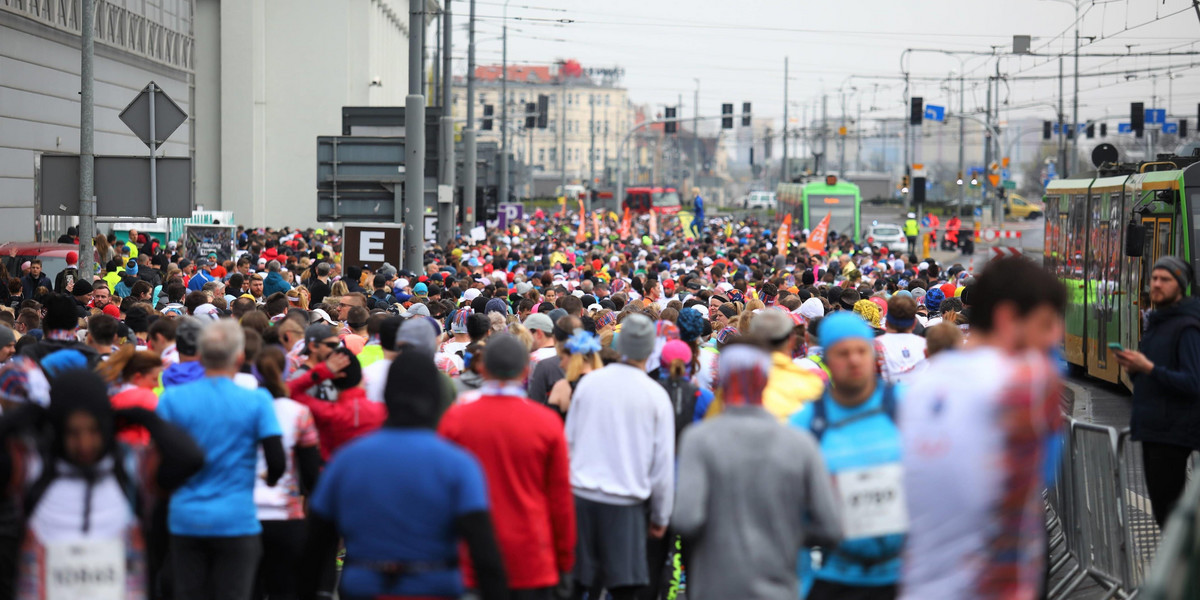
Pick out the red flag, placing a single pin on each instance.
(626, 224)
(819, 236)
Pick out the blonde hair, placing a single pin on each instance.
(339, 289)
(522, 333)
(579, 365)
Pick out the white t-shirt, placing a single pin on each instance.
(284, 501)
(898, 355)
(375, 378)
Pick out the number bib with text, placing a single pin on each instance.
(85, 570)
(873, 501)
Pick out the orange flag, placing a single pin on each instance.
(596, 225)
(785, 234)
(626, 224)
(819, 236)
(653, 224)
(581, 235)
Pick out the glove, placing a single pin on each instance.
(566, 585)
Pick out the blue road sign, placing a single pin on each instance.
(935, 113)
(1156, 116)
(1124, 128)
(1171, 128)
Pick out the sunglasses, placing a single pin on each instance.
(331, 345)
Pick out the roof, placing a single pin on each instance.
(518, 73)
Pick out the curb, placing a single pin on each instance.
(1076, 401)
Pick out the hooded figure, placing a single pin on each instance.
(81, 487)
(414, 390)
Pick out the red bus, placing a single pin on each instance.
(640, 200)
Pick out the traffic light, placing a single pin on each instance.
(543, 110)
(670, 125)
(918, 111)
(918, 190)
(1182, 128)
(727, 116)
(1047, 128)
(752, 156)
(530, 115)
(1104, 130)
(1137, 118)
(1091, 130)
(488, 110)
(904, 182)
(745, 114)
(1070, 131)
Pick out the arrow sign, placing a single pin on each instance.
(1156, 116)
(1124, 128)
(935, 113)
(167, 116)
(1171, 128)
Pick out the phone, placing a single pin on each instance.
(1115, 346)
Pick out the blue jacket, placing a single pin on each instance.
(274, 283)
(698, 205)
(1165, 408)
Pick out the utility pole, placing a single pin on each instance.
(87, 82)
(1062, 134)
(858, 127)
(445, 211)
(842, 141)
(824, 131)
(962, 138)
(678, 145)
(785, 175)
(503, 195)
(412, 211)
(1075, 101)
(987, 152)
(562, 154)
(469, 157)
(908, 128)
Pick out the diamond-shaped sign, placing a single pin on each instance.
(167, 115)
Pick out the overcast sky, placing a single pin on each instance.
(736, 49)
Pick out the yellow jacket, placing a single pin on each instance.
(789, 387)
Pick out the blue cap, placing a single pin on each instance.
(843, 325)
(420, 289)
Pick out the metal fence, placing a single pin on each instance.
(1176, 575)
(1100, 523)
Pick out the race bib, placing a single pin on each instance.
(873, 501)
(85, 570)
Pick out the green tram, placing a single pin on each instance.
(1103, 235)
(808, 203)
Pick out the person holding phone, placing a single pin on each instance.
(1165, 370)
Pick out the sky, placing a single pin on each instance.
(854, 47)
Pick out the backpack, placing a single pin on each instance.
(683, 395)
(820, 420)
(124, 466)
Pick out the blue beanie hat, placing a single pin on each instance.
(933, 298)
(420, 289)
(496, 305)
(691, 324)
(843, 325)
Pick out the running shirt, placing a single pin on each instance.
(974, 444)
(898, 354)
(284, 501)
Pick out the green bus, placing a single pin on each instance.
(1103, 235)
(808, 203)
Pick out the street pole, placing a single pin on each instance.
(784, 175)
(987, 152)
(469, 130)
(858, 127)
(562, 127)
(1075, 101)
(503, 195)
(824, 132)
(962, 138)
(842, 141)
(445, 211)
(695, 135)
(591, 186)
(412, 211)
(87, 81)
(1062, 134)
(907, 126)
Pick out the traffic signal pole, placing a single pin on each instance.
(445, 211)
(469, 156)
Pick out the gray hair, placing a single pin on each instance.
(221, 345)
(322, 269)
(213, 286)
(273, 266)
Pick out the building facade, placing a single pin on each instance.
(587, 109)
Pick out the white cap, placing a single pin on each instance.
(912, 215)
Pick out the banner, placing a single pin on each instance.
(199, 241)
(785, 234)
(819, 236)
(685, 221)
(626, 225)
(581, 235)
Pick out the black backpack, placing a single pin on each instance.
(683, 395)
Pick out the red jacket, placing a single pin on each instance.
(350, 416)
(523, 451)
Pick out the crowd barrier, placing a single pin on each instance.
(1175, 575)
(1100, 523)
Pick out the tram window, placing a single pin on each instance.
(1164, 238)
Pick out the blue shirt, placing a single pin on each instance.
(395, 495)
(227, 421)
(196, 283)
(861, 443)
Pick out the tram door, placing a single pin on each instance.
(1159, 243)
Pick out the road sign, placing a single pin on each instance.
(1124, 128)
(152, 110)
(1010, 184)
(506, 213)
(935, 113)
(1171, 128)
(991, 235)
(369, 246)
(1156, 116)
(1005, 251)
(121, 187)
(431, 222)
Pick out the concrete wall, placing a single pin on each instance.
(39, 106)
(285, 69)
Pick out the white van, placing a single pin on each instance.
(759, 201)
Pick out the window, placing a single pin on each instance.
(606, 126)
(606, 100)
(553, 154)
(541, 155)
(550, 126)
(570, 99)
(483, 98)
(570, 126)
(553, 99)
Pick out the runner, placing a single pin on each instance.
(899, 351)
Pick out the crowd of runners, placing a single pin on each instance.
(626, 412)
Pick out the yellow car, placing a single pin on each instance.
(1017, 207)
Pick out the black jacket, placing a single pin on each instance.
(1166, 401)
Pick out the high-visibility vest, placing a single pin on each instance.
(910, 228)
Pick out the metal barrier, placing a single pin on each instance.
(1100, 513)
(1175, 576)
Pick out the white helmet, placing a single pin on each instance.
(912, 215)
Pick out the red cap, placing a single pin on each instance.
(112, 311)
(423, 279)
(511, 276)
(72, 257)
(488, 268)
